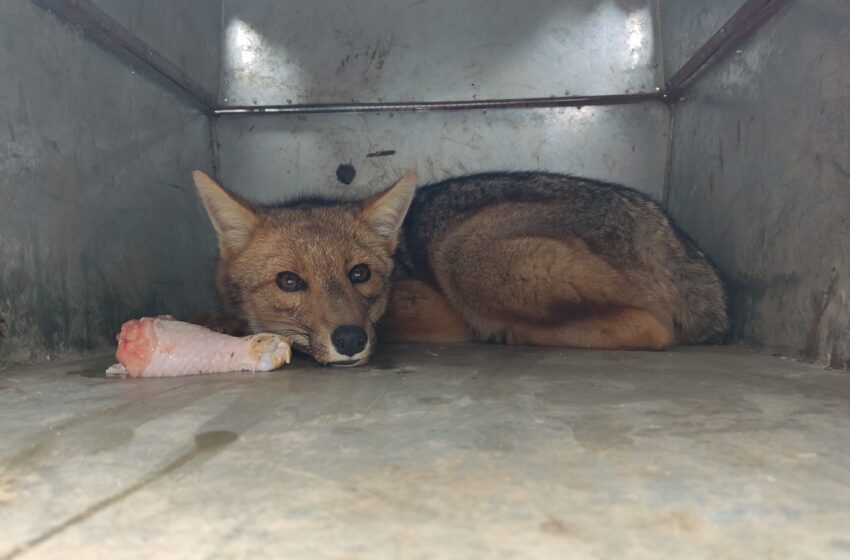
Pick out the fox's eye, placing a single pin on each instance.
(359, 273)
(290, 282)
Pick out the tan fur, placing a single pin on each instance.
(232, 218)
(419, 313)
(320, 245)
(539, 290)
(615, 328)
(384, 212)
(518, 258)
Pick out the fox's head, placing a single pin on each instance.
(316, 272)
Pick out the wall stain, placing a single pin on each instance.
(382, 153)
(345, 173)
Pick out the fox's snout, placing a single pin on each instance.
(349, 340)
(349, 345)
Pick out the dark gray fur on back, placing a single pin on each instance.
(619, 224)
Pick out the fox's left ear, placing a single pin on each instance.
(385, 212)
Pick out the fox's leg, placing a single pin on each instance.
(548, 291)
(419, 313)
(623, 328)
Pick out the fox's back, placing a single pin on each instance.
(623, 227)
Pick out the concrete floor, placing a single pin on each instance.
(471, 452)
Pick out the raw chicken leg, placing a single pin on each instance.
(163, 347)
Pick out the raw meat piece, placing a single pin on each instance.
(163, 347)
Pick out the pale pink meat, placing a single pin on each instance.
(163, 347)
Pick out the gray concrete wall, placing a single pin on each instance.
(186, 32)
(98, 219)
(279, 52)
(686, 25)
(760, 176)
(274, 157)
(326, 51)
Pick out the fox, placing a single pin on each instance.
(520, 258)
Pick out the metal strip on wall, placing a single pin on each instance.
(100, 26)
(749, 17)
(112, 35)
(528, 103)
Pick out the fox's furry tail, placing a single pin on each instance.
(701, 316)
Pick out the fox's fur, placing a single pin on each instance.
(518, 258)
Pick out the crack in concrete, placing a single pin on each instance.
(206, 445)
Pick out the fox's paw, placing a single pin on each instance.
(268, 352)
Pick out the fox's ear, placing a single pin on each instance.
(385, 212)
(232, 219)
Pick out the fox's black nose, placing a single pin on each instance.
(349, 339)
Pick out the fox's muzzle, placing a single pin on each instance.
(349, 340)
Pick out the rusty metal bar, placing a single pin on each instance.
(749, 17)
(413, 106)
(115, 37)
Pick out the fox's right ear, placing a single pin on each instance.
(234, 222)
(385, 211)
